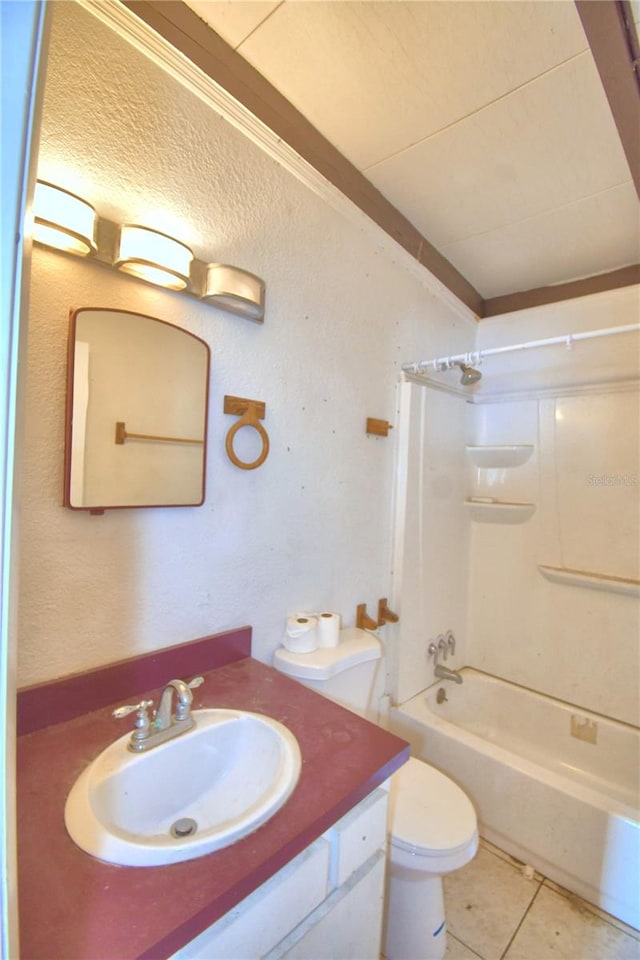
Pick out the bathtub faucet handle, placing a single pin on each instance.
(442, 645)
(432, 650)
(451, 642)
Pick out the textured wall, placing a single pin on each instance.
(312, 527)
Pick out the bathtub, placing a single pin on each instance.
(543, 790)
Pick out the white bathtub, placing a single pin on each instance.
(566, 806)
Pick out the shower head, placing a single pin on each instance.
(469, 374)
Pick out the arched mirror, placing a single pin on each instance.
(136, 425)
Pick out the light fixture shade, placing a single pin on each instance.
(63, 220)
(153, 256)
(234, 290)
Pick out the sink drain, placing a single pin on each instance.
(185, 827)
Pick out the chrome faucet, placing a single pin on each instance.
(443, 645)
(181, 691)
(445, 674)
(164, 725)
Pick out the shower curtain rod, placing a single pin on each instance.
(475, 357)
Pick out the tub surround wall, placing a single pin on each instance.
(564, 639)
(312, 527)
(589, 362)
(480, 539)
(134, 910)
(431, 534)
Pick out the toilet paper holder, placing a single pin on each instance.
(250, 412)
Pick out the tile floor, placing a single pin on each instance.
(495, 912)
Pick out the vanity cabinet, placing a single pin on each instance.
(287, 890)
(327, 902)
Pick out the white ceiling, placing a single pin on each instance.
(484, 123)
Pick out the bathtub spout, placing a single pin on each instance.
(445, 674)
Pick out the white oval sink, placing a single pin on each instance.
(230, 773)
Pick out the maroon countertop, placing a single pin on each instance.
(74, 907)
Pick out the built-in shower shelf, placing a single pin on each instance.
(500, 456)
(592, 581)
(499, 511)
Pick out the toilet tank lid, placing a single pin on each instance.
(356, 646)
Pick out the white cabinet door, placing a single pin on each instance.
(262, 919)
(347, 926)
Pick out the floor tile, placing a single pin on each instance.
(503, 855)
(563, 927)
(485, 902)
(458, 951)
(620, 924)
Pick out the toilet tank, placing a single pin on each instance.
(351, 674)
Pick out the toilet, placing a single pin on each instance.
(433, 827)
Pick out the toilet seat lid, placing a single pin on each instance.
(429, 814)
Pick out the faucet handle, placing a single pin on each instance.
(451, 641)
(142, 724)
(184, 698)
(432, 649)
(183, 709)
(124, 711)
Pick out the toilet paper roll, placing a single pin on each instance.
(301, 635)
(329, 629)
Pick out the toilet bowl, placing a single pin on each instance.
(432, 824)
(433, 830)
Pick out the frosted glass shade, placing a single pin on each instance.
(154, 257)
(235, 290)
(63, 220)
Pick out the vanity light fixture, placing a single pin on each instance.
(234, 290)
(70, 224)
(63, 220)
(154, 257)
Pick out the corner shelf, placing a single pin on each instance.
(592, 581)
(513, 455)
(499, 511)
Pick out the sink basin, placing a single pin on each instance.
(213, 785)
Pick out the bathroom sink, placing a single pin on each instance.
(189, 796)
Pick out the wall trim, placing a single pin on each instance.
(529, 393)
(189, 34)
(177, 40)
(613, 41)
(147, 40)
(510, 302)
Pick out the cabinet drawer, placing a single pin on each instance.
(357, 836)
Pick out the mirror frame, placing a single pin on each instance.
(68, 432)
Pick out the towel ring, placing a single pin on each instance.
(248, 419)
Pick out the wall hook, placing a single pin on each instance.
(363, 620)
(385, 615)
(379, 428)
(251, 412)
